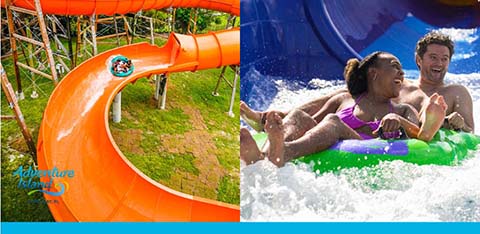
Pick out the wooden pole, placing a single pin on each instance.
(127, 31)
(116, 31)
(13, 44)
(79, 41)
(94, 33)
(12, 100)
(46, 41)
(70, 46)
(152, 38)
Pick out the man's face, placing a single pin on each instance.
(434, 64)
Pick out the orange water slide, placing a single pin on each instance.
(74, 133)
(110, 7)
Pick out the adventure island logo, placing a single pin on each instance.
(31, 179)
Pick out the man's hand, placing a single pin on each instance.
(455, 121)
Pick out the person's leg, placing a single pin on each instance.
(432, 117)
(254, 118)
(295, 125)
(249, 151)
(274, 128)
(319, 138)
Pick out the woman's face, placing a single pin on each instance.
(389, 75)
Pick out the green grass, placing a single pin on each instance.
(162, 168)
(139, 114)
(228, 190)
(17, 205)
(185, 90)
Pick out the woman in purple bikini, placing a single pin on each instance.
(358, 114)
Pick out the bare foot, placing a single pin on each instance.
(432, 116)
(274, 128)
(253, 118)
(249, 151)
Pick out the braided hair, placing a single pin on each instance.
(355, 73)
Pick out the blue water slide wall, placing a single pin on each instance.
(305, 39)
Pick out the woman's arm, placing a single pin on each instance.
(392, 122)
(406, 117)
(410, 120)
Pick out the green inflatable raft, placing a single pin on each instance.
(447, 148)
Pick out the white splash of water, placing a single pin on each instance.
(460, 35)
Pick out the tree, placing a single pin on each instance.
(205, 18)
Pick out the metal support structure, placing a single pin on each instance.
(161, 90)
(145, 26)
(233, 85)
(13, 103)
(35, 34)
(230, 24)
(235, 68)
(46, 41)
(232, 98)
(222, 77)
(6, 50)
(61, 53)
(94, 30)
(103, 25)
(117, 108)
(13, 45)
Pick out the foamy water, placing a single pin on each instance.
(391, 191)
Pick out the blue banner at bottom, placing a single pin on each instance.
(228, 228)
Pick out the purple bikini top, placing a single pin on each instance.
(347, 116)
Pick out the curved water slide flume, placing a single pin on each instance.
(74, 133)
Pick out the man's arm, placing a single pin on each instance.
(316, 105)
(331, 106)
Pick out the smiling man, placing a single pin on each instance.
(433, 54)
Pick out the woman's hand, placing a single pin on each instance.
(390, 123)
